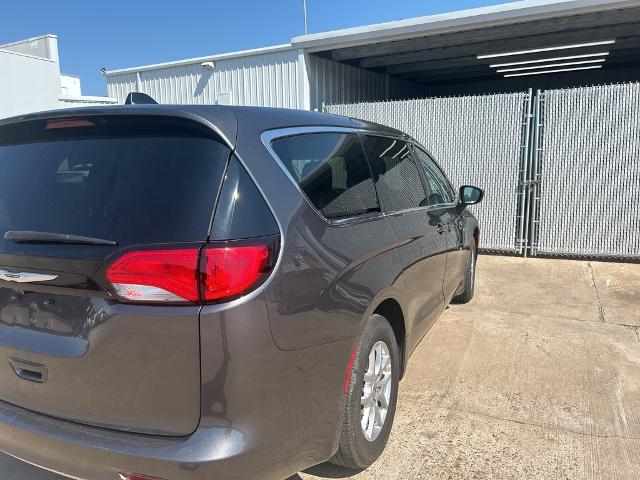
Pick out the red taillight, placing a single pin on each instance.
(229, 271)
(156, 275)
(180, 276)
(136, 476)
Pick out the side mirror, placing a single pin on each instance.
(470, 195)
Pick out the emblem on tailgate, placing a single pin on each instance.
(25, 277)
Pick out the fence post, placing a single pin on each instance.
(522, 182)
(535, 175)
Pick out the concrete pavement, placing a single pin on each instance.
(538, 377)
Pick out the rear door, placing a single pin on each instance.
(443, 200)
(68, 347)
(422, 246)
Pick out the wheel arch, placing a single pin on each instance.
(391, 309)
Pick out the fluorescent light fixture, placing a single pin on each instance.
(547, 49)
(549, 65)
(552, 71)
(553, 59)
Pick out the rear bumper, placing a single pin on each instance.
(275, 432)
(91, 453)
(266, 413)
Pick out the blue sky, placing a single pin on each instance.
(118, 34)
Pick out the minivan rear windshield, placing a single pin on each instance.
(130, 179)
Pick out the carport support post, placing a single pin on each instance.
(522, 247)
(304, 88)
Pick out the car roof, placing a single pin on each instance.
(225, 119)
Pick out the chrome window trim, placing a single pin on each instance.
(417, 146)
(376, 133)
(269, 136)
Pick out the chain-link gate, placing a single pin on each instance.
(561, 168)
(478, 140)
(585, 172)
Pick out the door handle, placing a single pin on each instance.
(441, 228)
(32, 371)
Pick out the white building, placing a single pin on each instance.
(275, 76)
(30, 79)
(439, 55)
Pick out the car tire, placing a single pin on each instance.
(362, 440)
(468, 285)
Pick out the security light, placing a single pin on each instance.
(552, 71)
(207, 65)
(546, 49)
(552, 59)
(536, 67)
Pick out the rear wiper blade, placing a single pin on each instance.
(25, 236)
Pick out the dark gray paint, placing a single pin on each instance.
(272, 364)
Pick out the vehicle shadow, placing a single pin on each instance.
(327, 470)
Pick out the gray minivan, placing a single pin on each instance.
(200, 292)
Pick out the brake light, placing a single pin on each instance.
(53, 124)
(156, 275)
(229, 271)
(190, 275)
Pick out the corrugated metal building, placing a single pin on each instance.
(447, 54)
(526, 121)
(279, 76)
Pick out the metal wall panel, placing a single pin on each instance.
(589, 171)
(476, 140)
(270, 79)
(119, 86)
(400, 89)
(337, 83)
(333, 82)
(264, 79)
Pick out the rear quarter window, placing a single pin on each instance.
(332, 171)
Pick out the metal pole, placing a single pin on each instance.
(523, 179)
(305, 15)
(536, 174)
(530, 177)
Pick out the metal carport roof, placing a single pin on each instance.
(443, 48)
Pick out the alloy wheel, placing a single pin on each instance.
(376, 391)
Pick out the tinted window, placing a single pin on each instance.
(148, 186)
(440, 189)
(332, 171)
(397, 177)
(241, 211)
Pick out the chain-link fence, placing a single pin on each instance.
(561, 169)
(477, 140)
(588, 198)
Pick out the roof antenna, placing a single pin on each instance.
(137, 98)
(304, 2)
